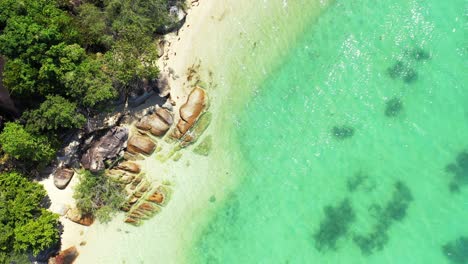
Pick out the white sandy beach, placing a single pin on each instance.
(218, 54)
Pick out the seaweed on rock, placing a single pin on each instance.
(342, 132)
(457, 251)
(335, 225)
(393, 107)
(459, 170)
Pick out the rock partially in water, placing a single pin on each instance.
(129, 166)
(204, 147)
(342, 132)
(191, 111)
(393, 107)
(141, 144)
(62, 177)
(67, 256)
(107, 147)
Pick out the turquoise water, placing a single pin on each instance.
(356, 146)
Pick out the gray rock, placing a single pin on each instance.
(62, 177)
(107, 147)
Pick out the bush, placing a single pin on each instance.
(99, 195)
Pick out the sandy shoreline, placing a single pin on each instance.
(177, 58)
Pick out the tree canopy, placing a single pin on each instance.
(26, 226)
(22, 145)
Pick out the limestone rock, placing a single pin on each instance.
(140, 144)
(107, 147)
(76, 216)
(129, 166)
(67, 256)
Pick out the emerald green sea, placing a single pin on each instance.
(355, 145)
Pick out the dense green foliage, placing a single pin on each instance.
(25, 225)
(99, 195)
(22, 145)
(65, 60)
(54, 113)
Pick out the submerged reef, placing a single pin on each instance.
(394, 210)
(360, 180)
(418, 54)
(335, 225)
(393, 107)
(459, 170)
(342, 132)
(403, 70)
(457, 251)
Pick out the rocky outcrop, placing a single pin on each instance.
(76, 216)
(140, 144)
(62, 177)
(158, 123)
(107, 147)
(190, 111)
(67, 256)
(129, 166)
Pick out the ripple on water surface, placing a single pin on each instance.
(356, 145)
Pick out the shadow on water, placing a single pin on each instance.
(457, 251)
(459, 170)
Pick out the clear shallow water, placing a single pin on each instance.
(349, 64)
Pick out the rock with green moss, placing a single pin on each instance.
(204, 147)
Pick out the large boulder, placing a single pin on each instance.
(107, 147)
(190, 111)
(67, 256)
(62, 177)
(158, 123)
(140, 144)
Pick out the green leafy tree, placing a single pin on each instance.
(89, 84)
(147, 15)
(22, 145)
(99, 195)
(93, 26)
(26, 226)
(37, 234)
(132, 58)
(54, 113)
(59, 60)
